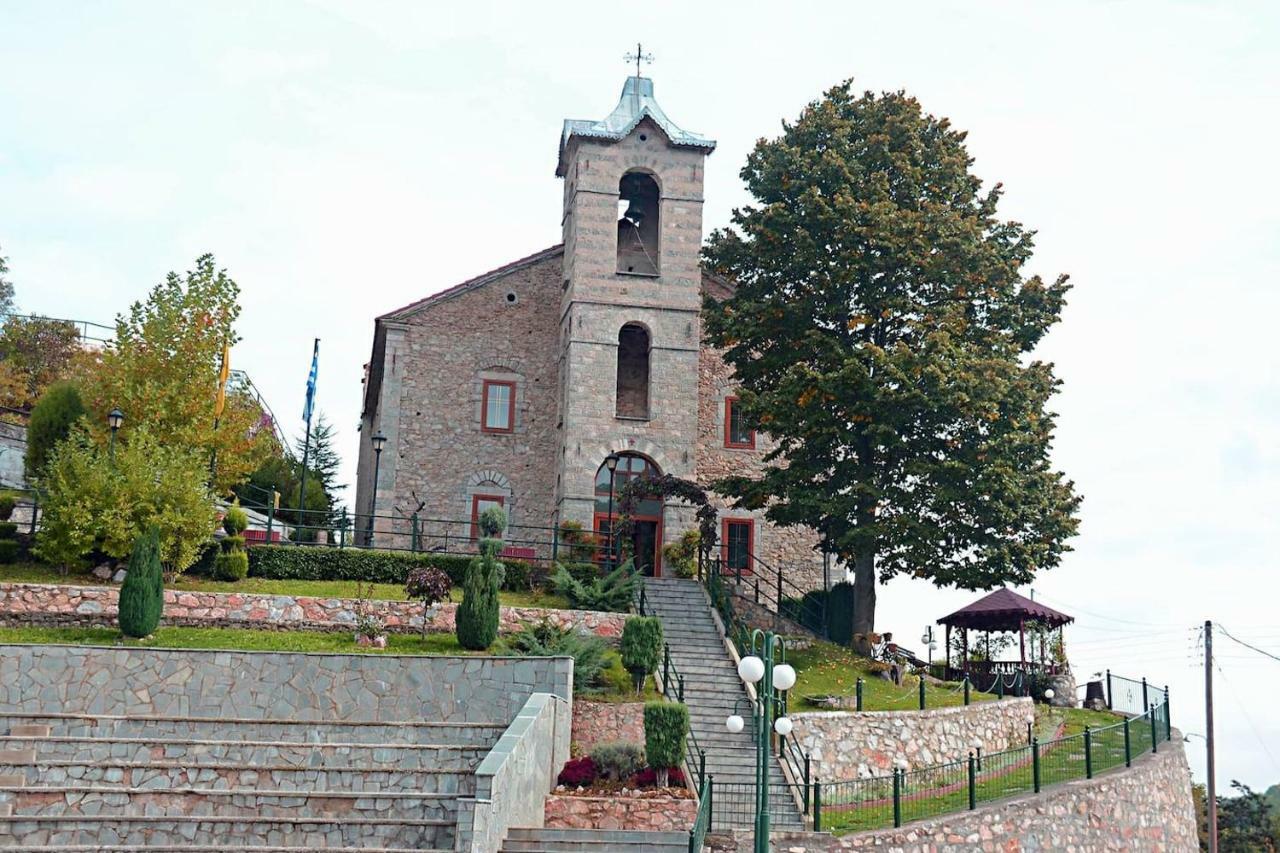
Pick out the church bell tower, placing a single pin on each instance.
(629, 329)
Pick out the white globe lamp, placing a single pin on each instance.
(784, 676)
(782, 726)
(751, 669)
(1048, 693)
(734, 724)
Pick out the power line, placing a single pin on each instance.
(1244, 711)
(1263, 652)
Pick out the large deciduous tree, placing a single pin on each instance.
(162, 371)
(880, 332)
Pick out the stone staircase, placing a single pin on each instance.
(712, 690)
(594, 841)
(77, 782)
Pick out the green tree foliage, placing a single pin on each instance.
(51, 420)
(324, 461)
(612, 593)
(666, 725)
(6, 287)
(543, 639)
(96, 503)
(37, 351)
(682, 555)
(1247, 820)
(162, 372)
(142, 594)
(880, 331)
(641, 647)
(840, 607)
(477, 616)
(232, 561)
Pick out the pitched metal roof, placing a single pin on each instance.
(637, 103)
(1002, 610)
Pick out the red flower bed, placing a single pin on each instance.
(648, 778)
(578, 771)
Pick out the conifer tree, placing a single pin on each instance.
(477, 617)
(142, 594)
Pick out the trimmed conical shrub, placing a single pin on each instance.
(142, 595)
(477, 617)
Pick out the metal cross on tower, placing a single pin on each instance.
(638, 57)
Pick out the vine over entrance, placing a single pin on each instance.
(666, 486)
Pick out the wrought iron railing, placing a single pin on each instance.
(702, 821)
(904, 796)
(769, 587)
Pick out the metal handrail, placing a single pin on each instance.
(702, 821)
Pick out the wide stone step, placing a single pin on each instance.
(185, 774)
(170, 832)
(74, 801)
(144, 750)
(594, 840)
(276, 731)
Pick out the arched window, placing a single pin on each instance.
(633, 371)
(638, 224)
(646, 533)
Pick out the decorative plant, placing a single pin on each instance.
(232, 561)
(590, 653)
(682, 555)
(648, 778)
(578, 772)
(371, 629)
(641, 647)
(142, 595)
(477, 618)
(7, 503)
(666, 725)
(579, 544)
(614, 592)
(840, 613)
(428, 585)
(8, 530)
(617, 762)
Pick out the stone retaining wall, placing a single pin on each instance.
(50, 604)
(657, 814)
(288, 686)
(1144, 808)
(853, 745)
(595, 723)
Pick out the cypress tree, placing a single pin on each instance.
(477, 618)
(142, 595)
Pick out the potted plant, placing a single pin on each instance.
(370, 631)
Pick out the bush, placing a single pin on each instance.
(806, 610)
(7, 503)
(614, 592)
(579, 545)
(666, 725)
(428, 585)
(648, 778)
(231, 565)
(578, 771)
(590, 653)
(8, 530)
(840, 613)
(617, 762)
(582, 572)
(289, 562)
(8, 550)
(52, 416)
(477, 618)
(142, 595)
(682, 555)
(235, 521)
(641, 647)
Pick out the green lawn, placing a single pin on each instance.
(41, 573)
(825, 669)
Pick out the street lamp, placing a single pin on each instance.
(114, 419)
(1031, 721)
(378, 440)
(758, 668)
(611, 463)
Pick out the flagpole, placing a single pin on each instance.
(306, 442)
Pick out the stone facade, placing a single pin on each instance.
(1146, 808)
(643, 811)
(93, 605)
(549, 325)
(853, 745)
(595, 723)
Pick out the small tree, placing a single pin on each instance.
(477, 618)
(428, 585)
(641, 647)
(666, 725)
(142, 595)
(232, 562)
(51, 421)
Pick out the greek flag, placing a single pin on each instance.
(311, 383)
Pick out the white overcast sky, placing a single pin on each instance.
(342, 159)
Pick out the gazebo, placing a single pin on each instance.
(1001, 611)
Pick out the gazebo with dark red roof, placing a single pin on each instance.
(1002, 610)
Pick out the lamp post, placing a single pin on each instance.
(927, 640)
(378, 440)
(114, 419)
(611, 463)
(759, 669)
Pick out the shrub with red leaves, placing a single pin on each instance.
(648, 778)
(578, 771)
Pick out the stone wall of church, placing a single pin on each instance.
(788, 548)
(437, 452)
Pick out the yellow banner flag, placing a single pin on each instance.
(223, 375)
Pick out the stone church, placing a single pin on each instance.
(511, 389)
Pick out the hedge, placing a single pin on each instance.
(316, 563)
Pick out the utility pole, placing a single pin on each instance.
(1212, 788)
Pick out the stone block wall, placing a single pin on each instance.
(853, 745)
(48, 604)
(595, 723)
(642, 812)
(199, 683)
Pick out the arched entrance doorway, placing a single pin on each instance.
(645, 539)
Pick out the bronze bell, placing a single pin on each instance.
(634, 213)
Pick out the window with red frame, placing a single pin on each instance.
(479, 503)
(498, 409)
(736, 432)
(738, 545)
